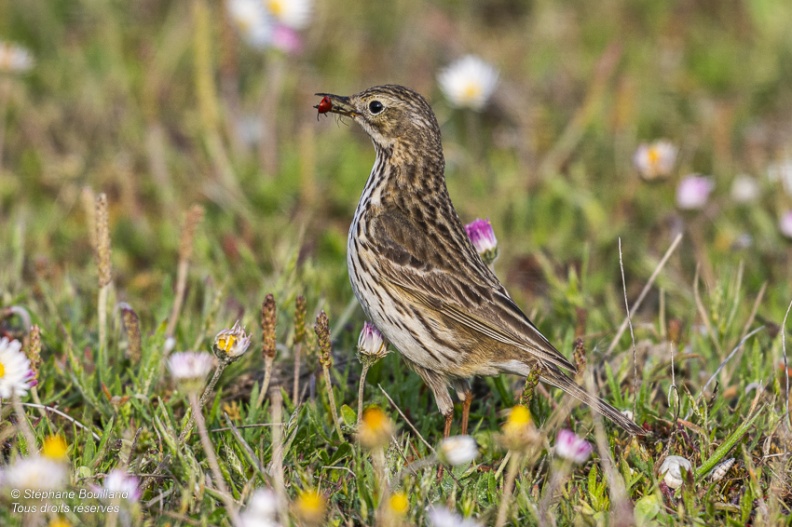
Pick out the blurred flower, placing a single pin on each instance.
(398, 504)
(745, 189)
(672, 470)
(14, 59)
(785, 224)
(310, 507)
(230, 344)
(261, 510)
(518, 432)
(655, 160)
(693, 192)
(375, 429)
(190, 368)
(120, 483)
(253, 22)
(286, 39)
(483, 238)
(571, 447)
(458, 450)
(55, 448)
(35, 473)
(442, 517)
(293, 14)
(371, 343)
(781, 172)
(59, 522)
(15, 372)
(469, 82)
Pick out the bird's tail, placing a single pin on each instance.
(562, 381)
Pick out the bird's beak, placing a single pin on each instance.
(337, 104)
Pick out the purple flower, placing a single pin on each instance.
(371, 343)
(571, 447)
(785, 224)
(693, 192)
(483, 238)
(286, 39)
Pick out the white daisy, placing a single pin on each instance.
(693, 192)
(15, 372)
(458, 450)
(785, 224)
(230, 344)
(370, 342)
(745, 189)
(261, 510)
(295, 14)
(119, 482)
(190, 368)
(442, 517)
(781, 172)
(35, 473)
(469, 82)
(14, 59)
(655, 160)
(253, 22)
(571, 447)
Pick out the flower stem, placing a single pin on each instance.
(508, 488)
(266, 382)
(331, 397)
(362, 389)
(211, 457)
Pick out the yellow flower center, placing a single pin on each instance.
(55, 447)
(399, 504)
(654, 156)
(310, 507)
(518, 419)
(471, 92)
(276, 7)
(2, 370)
(226, 343)
(374, 419)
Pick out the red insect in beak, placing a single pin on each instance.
(325, 105)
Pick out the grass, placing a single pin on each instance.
(145, 102)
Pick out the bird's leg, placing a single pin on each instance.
(466, 409)
(449, 418)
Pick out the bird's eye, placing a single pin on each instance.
(375, 107)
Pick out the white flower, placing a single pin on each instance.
(469, 82)
(781, 172)
(442, 517)
(119, 482)
(230, 344)
(370, 342)
(253, 22)
(785, 224)
(190, 368)
(672, 470)
(571, 447)
(15, 373)
(36, 473)
(693, 192)
(295, 14)
(458, 450)
(655, 160)
(261, 510)
(745, 189)
(14, 59)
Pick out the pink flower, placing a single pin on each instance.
(370, 342)
(693, 192)
(286, 39)
(785, 224)
(571, 447)
(483, 238)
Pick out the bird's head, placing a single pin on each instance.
(391, 115)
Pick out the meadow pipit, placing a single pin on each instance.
(416, 274)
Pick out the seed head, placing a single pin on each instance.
(268, 319)
(322, 330)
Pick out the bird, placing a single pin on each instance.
(416, 274)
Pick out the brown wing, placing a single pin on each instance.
(446, 274)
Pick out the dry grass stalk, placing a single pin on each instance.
(193, 218)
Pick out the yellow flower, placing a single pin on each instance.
(60, 522)
(376, 428)
(398, 504)
(55, 447)
(230, 344)
(310, 507)
(518, 431)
